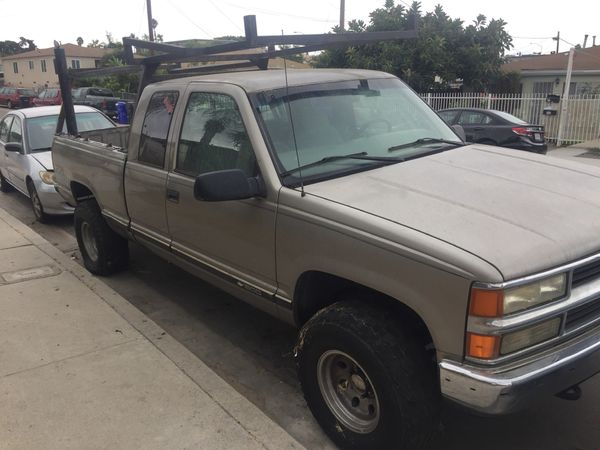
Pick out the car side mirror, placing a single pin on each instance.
(458, 129)
(13, 147)
(224, 185)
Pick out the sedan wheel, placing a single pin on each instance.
(36, 203)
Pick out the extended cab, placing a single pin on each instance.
(416, 266)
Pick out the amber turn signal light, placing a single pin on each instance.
(483, 347)
(486, 303)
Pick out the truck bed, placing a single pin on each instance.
(74, 158)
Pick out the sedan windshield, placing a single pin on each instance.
(41, 130)
(328, 123)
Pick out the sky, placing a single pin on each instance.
(532, 23)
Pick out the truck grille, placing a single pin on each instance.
(585, 273)
(582, 315)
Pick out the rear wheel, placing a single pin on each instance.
(36, 203)
(104, 252)
(367, 379)
(4, 186)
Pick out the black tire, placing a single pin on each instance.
(392, 359)
(36, 203)
(109, 252)
(4, 186)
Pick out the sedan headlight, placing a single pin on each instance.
(47, 176)
(500, 302)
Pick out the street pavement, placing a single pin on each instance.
(81, 368)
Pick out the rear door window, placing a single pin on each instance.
(157, 121)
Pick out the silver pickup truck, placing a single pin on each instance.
(416, 266)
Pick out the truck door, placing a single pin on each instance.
(145, 172)
(232, 239)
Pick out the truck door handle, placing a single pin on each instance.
(173, 195)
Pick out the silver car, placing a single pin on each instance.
(25, 158)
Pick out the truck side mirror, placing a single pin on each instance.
(13, 147)
(224, 185)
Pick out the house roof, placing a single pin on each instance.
(585, 59)
(71, 50)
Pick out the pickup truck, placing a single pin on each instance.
(99, 98)
(417, 267)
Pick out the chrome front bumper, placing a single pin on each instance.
(502, 390)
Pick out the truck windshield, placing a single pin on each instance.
(41, 130)
(369, 117)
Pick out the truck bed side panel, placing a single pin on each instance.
(95, 166)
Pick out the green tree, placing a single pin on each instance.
(444, 50)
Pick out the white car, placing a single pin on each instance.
(25, 158)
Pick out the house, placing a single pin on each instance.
(546, 74)
(35, 69)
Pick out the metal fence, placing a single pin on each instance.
(581, 120)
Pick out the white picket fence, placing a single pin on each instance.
(582, 116)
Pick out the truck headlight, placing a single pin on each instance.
(47, 176)
(500, 302)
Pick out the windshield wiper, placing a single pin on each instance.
(360, 155)
(425, 141)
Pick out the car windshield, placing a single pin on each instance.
(377, 119)
(41, 130)
(510, 118)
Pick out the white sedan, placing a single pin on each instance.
(25, 158)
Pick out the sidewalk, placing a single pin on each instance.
(81, 368)
(586, 152)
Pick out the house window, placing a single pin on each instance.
(16, 67)
(75, 64)
(543, 87)
(43, 64)
(30, 65)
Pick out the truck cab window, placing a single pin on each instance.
(153, 139)
(213, 137)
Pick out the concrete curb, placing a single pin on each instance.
(246, 414)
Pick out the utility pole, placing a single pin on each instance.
(557, 39)
(342, 14)
(150, 27)
(564, 110)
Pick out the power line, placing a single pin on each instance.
(226, 16)
(271, 12)
(188, 19)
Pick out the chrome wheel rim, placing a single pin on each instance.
(348, 391)
(89, 242)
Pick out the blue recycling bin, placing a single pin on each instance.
(122, 112)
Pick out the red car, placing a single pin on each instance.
(48, 97)
(16, 97)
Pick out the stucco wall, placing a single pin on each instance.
(35, 78)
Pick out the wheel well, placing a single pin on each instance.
(80, 192)
(316, 290)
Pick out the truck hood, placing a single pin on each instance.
(44, 158)
(520, 212)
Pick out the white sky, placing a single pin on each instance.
(530, 22)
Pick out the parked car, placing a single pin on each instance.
(48, 97)
(25, 159)
(97, 97)
(487, 126)
(16, 97)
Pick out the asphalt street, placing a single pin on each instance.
(253, 352)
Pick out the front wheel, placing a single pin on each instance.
(36, 204)
(103, 251)
(367, 379)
